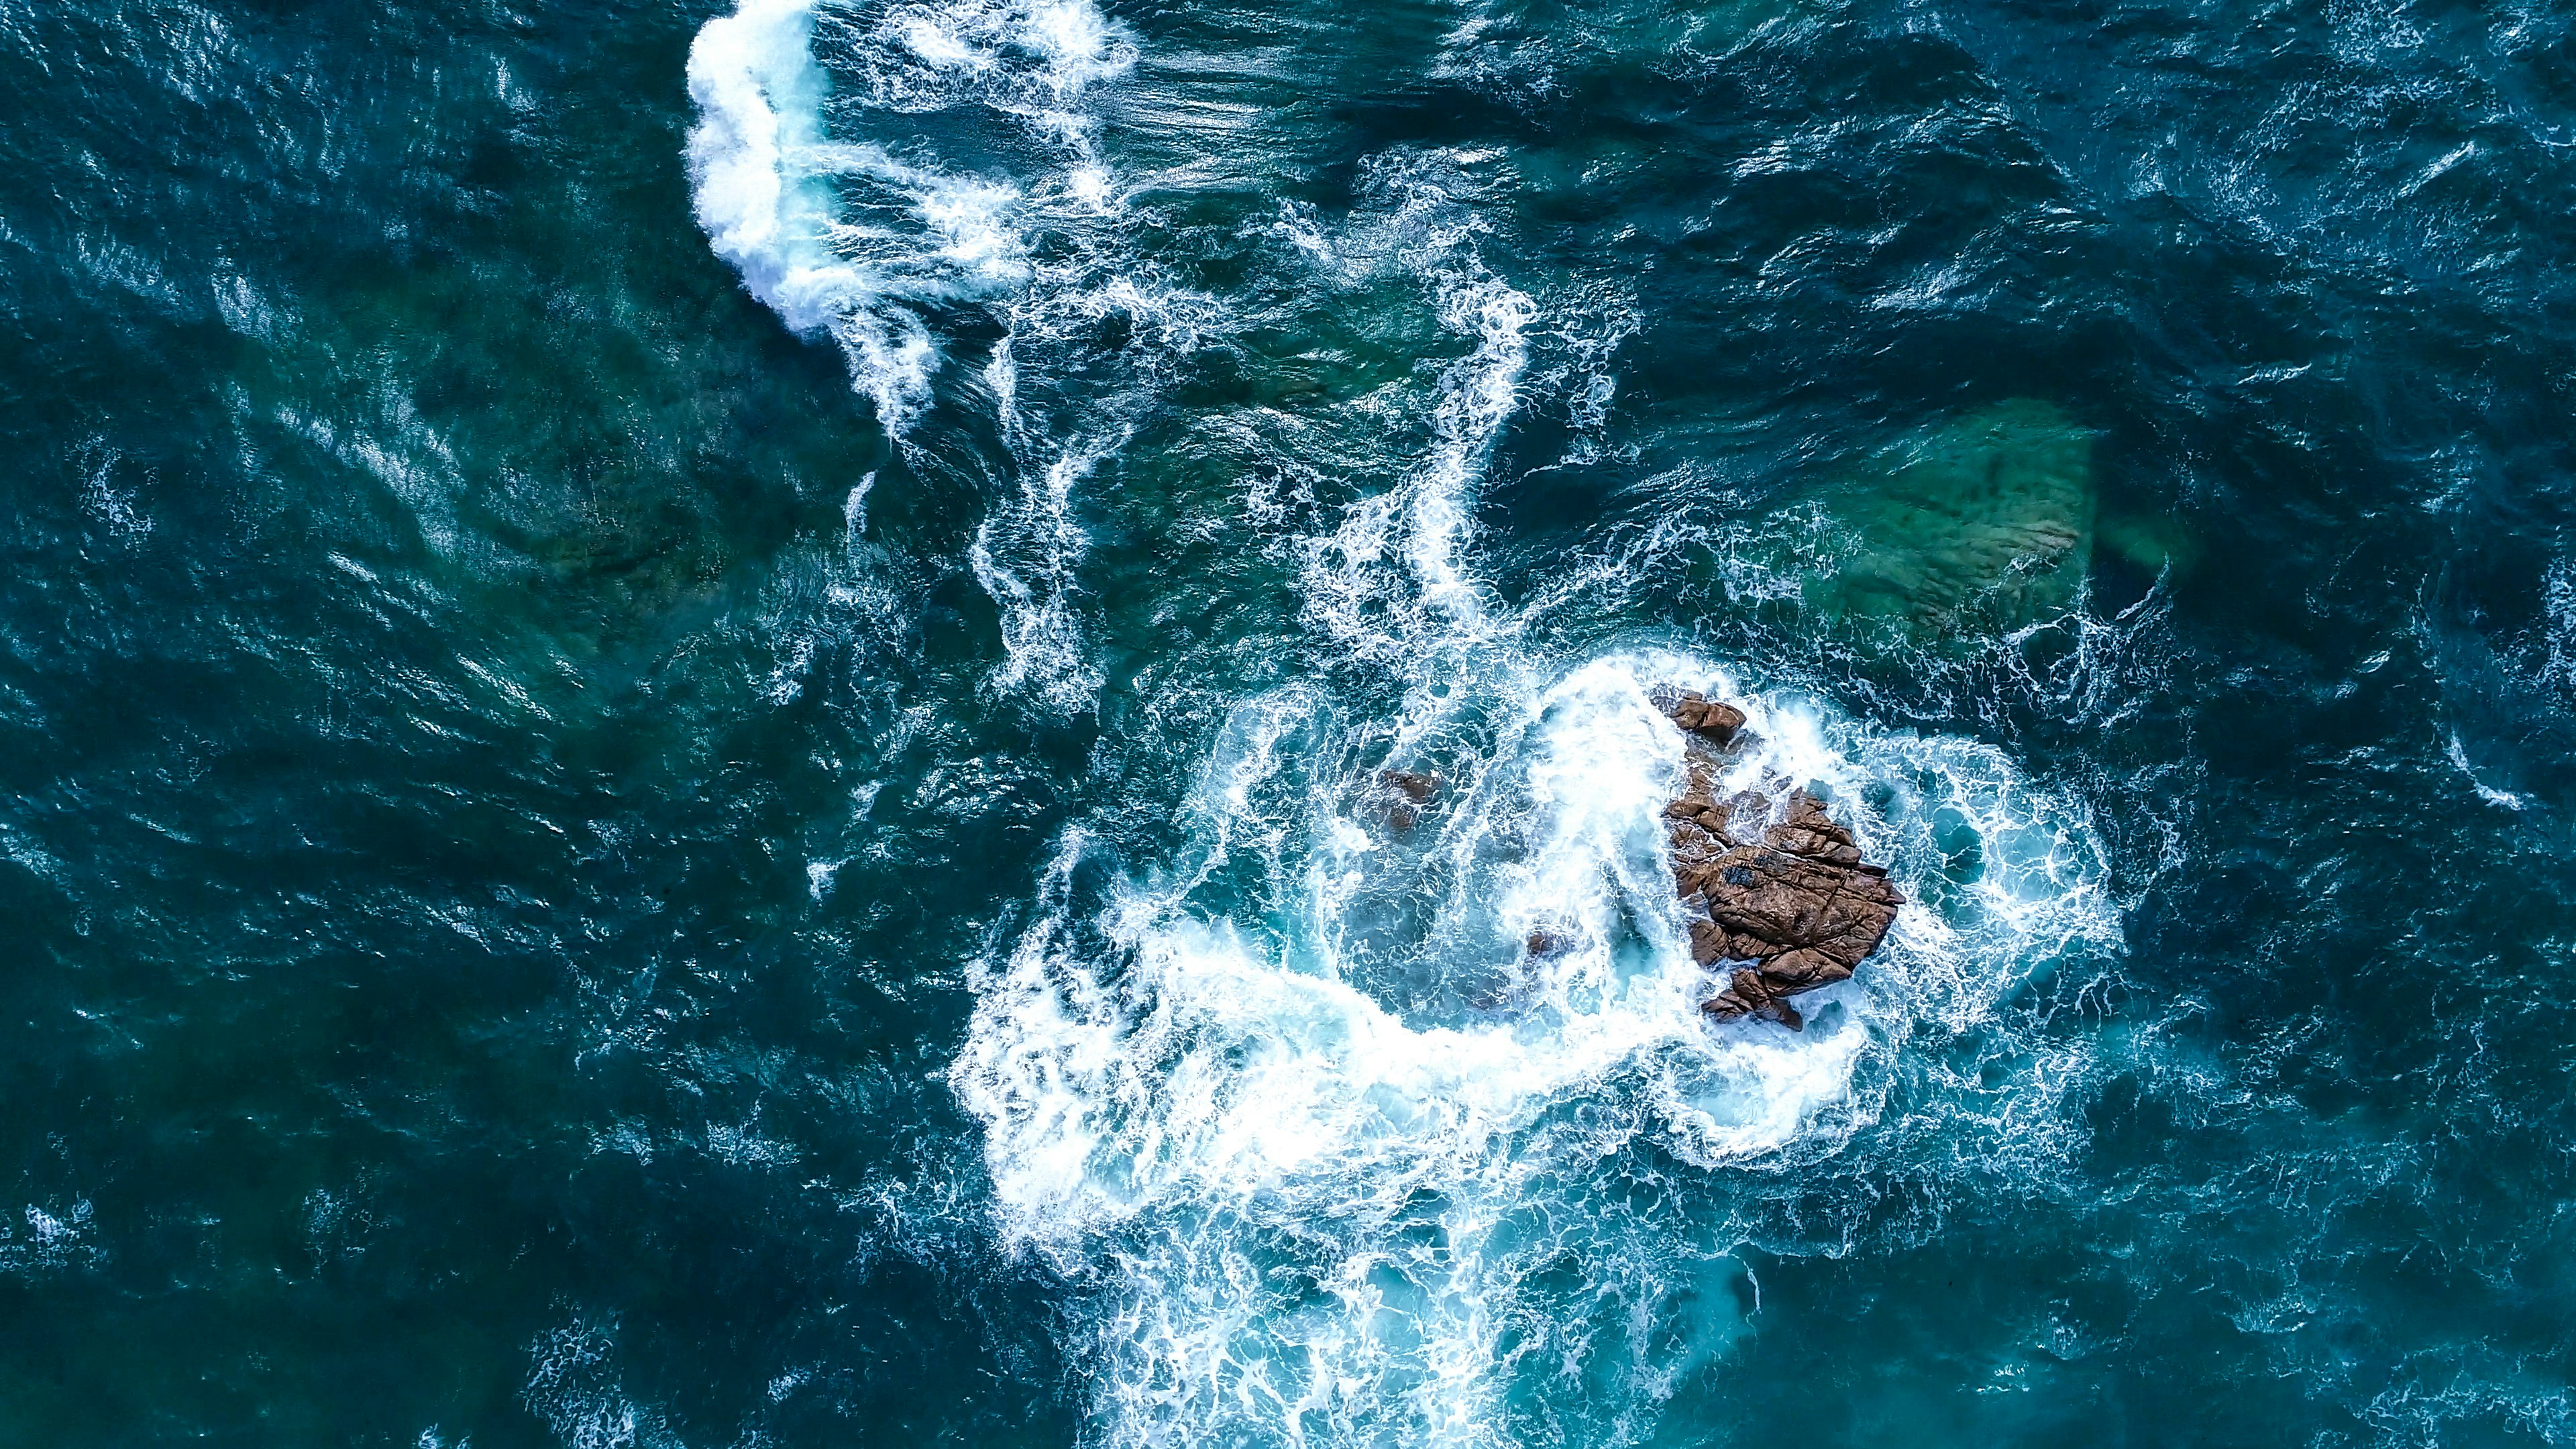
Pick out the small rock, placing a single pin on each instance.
(1400, 796)
(1417, 788)
(1697, 713)
(1750, 995)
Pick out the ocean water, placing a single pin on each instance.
(690, 701)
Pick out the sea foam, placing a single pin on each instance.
(1317, 1204)
(1339, 1158)
(850, 240)
(842, 236)
(1331, 1153)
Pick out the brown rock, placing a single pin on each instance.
(1694, 844)
(1810, 832)
(1750, 995)
(1709, 944)
(1795, 904)
(1705, 717)
(1701, 793)
(1399, 795)
(1417, 788)
(1791, 896)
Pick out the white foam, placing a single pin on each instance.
(574, 1386)
(1340, 1163)
(768, 182)
(759, 95)
(1023, 555)
(846, 238)
(1220, 1098)
(2459, 757)
(54, 1240)
(1423, 524)
(1477, 397)
(1339, 1158)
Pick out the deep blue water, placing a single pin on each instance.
(689, 699)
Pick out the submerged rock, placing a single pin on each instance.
(1401, 794)
(1985, 522)
(1779, 885)
(2149, 541)
(1418, 788)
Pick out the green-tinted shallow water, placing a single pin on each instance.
(688, 700)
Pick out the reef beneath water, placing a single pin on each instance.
(1983, 523)
(1773, 882)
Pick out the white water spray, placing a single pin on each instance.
(1337, 1157)
(1345, 1160)
(849, 240)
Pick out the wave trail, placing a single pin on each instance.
(1348, 1173)
(999, 200)
(850, 241)
(1366, 1133)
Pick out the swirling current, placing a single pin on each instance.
(694, 705)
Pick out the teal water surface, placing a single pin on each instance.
(691, 700)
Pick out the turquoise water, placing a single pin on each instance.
(691, 699)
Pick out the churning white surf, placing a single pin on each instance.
(1345, 1160)
(816, 174)
(846, 238)
(1335, 1207)
(1335, 1156)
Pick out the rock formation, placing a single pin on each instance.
(1776, 884)
(1402, 794)
(1706, 718)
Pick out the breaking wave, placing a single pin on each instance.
(1354, 1128)
(842, 236)
(1344, 1158)
(1349, 1164)
(846, 238)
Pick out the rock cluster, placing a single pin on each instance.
(1777, 884)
